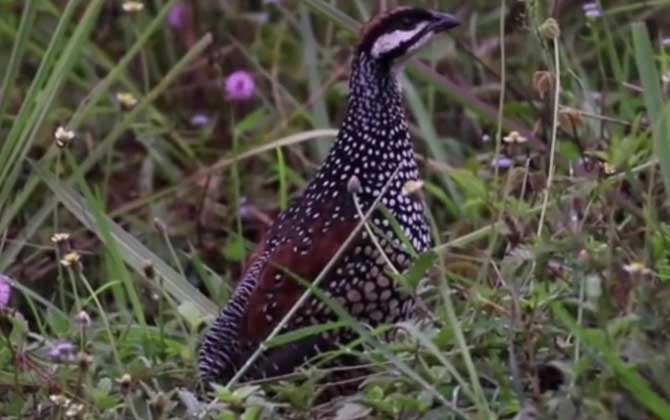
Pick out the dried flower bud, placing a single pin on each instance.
(550, 29)
(83, 320)
(412, 186)
(354, 185)
(84, 361)
(149, 269)
(543, 82)
(570, 119)
(125, 382)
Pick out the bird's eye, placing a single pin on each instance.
(407, 22)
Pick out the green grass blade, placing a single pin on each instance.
(105, 145)
(657, 107)
(627, 376)
(133, 251)
(11, 144)
(16, 58)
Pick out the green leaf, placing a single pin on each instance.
(417, 270)
(235, 249)
(250, 122)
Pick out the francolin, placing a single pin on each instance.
(371, 162)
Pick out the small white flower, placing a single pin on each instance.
(73, 410)
(126, 99)
(132, 6)
(665, 78)
(514, 137)
(60, 237)
(70, 259)
(63, 136)
(636, 267)
(60, 400)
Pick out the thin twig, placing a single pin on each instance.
(554, 132)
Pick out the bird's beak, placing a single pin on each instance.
(444, 21)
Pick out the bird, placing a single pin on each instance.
(371, 168)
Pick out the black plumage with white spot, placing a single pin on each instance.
(372, 156)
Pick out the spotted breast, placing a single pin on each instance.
(371, 164)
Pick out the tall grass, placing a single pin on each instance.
(546, 290)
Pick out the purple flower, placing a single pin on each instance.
(592, 10)
(200, 119)
(665, 42)
(5, 291)
(62, 352)
(178, 16)
(240, 86)
(502, 163)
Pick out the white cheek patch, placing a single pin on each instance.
(390, 41)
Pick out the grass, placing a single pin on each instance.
(546, 293)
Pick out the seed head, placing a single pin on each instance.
(125, 381)
(550, 29)
(84, 361)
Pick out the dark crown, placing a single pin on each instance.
(402, 30)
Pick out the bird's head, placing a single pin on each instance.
(394, 36)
